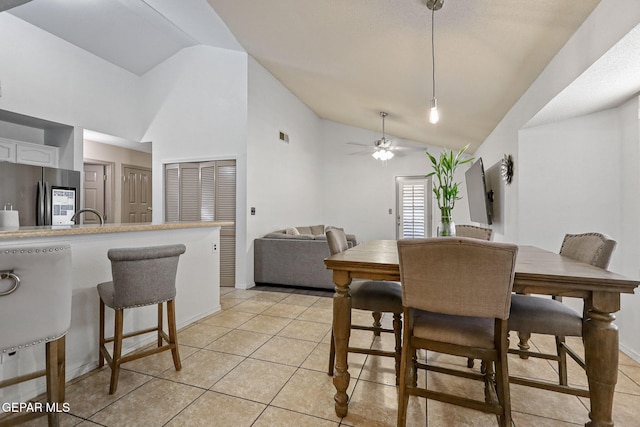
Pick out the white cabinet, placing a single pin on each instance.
(7, 150)
(35, 154)
(28, 153)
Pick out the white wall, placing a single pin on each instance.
(194, 109)
(359, 190)
(45, 77)
(284, 180)
(606, 159)
(608, 23)
(570, 179)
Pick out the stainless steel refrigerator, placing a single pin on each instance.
(42, 196)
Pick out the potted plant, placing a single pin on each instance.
(445, 189)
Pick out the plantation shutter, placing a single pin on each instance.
(413, 209)
(226, 211)
(172, 192)
(205, 191)
(413, 195)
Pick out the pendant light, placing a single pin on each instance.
(434, 114)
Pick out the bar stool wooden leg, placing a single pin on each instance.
(52, 378)
(117, 351)
(159, 325)
(173, 334)
(101, 334)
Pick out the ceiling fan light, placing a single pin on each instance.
(434, 114)
(376, 155)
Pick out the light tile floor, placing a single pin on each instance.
(262, 362)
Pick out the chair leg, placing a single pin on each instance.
(397, 331)
(173, 334)
(101, 333)
(502, 385)
(160, 325)
(407, 371)
(524, 343)
(376, 322)
(562, 361)
(52, 368)
(117, 351)
(332, 355)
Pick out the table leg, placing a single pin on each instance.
(341, 333)
(601, 356)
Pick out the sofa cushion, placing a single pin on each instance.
(304, 230)
(317, 230)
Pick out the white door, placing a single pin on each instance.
(414, 207)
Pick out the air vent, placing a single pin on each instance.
(284, 137)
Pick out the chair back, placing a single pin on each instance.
(337, 241)
(457, 275)
(473, 231)
(591, 248)
(143, 276)
(35, 300)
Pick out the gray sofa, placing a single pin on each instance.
(294, 257)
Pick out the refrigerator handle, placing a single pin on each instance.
(47, 204)
(40, 203)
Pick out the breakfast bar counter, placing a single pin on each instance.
(197, 285)
(70, 230)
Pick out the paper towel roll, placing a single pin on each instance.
(9, 220)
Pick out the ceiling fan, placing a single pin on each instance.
(383, 149)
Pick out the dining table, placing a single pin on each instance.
(537, 271)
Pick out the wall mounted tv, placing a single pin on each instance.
(480, 200)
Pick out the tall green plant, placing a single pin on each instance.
(444, 168)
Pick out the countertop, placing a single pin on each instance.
(63, 230)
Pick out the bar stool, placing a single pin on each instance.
(141, 277)
(35, 308)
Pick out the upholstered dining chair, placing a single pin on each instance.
(375, 296)
(35, 308)
(532, 314)
(141, 277)
(473, 231)
(457, 308)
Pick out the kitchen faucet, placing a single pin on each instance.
(75, 215)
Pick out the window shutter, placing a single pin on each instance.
(208, 191)
(172, 192)
(226, 211)
(189, 192)
(413, 211)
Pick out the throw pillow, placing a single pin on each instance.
(292, 231)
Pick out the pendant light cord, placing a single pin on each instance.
(433, 54)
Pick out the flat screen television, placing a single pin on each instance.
(480, 200)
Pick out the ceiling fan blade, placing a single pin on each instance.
(360, 153)
(359, 143)
(406, 149)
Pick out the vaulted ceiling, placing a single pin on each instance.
(346, 60)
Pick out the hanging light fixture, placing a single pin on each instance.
(434, 114)
(383, 145)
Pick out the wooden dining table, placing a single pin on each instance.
(537, 272)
